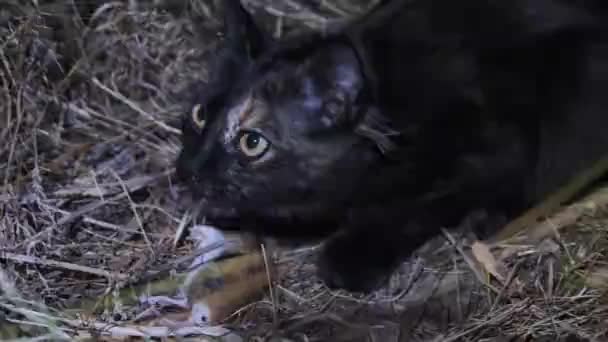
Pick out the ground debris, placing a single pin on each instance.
(89, 125)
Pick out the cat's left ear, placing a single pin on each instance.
(339, 77)
(343, 70)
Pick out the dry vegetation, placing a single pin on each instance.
(89, 127)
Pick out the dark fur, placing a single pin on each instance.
(407, 121)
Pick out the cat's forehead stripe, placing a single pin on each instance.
(232, 123)
(246, 110)
(236, 116)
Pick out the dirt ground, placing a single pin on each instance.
(89, 129)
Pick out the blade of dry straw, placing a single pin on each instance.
(581, 180)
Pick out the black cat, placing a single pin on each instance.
(403, 122)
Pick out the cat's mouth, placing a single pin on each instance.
(305, 220)
(298, 222)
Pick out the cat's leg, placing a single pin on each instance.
(364, 258)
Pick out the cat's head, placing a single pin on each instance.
(279, 141)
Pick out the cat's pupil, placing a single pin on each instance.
(252, 141)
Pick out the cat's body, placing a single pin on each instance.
(402, 124)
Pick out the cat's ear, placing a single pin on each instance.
(345, 71)
(242, 35)
(243, 41)
(339, 78)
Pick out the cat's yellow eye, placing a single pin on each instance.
(253, 145)
(198, 117)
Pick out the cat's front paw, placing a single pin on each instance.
(355, 268)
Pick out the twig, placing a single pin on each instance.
(73, 216)
(272, 296)
(493, 321)
(135, 213)
(27, 259)
(136, 108)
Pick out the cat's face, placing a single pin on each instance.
(278, 147)
(281, 146)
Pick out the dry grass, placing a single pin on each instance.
(89, 130)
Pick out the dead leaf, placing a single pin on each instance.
(598, 278)
(482, 253)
